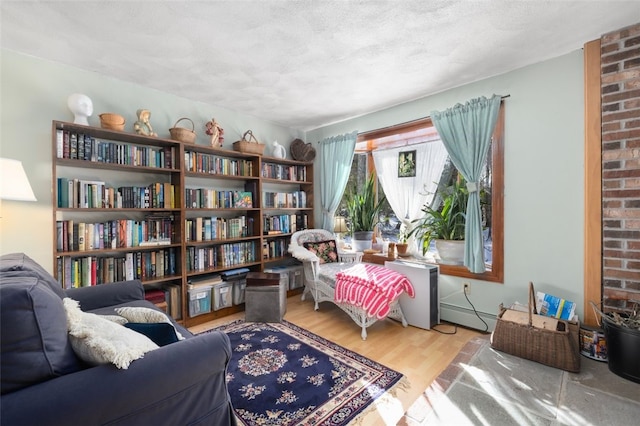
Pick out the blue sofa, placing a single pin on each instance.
(45, 383)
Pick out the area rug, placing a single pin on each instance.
(281, 374)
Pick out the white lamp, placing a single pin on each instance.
(14, 184)
(339, 228)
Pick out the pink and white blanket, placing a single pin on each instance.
(372, 287)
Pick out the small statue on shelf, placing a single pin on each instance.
(81, 107)
(213, 129)
(143, 126)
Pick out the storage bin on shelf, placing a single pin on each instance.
(199, 300)
(239, 287)
(222, 295)
(237, 279)
(290, 275)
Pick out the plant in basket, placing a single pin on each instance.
(622, 334)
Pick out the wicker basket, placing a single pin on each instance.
(109, 120)
(182, 134)
(249, 144)
(301, 151)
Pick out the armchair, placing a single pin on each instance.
(320, 277)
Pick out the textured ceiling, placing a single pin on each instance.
(304, 63)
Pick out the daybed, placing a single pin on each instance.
(320, 276)
(45, 382)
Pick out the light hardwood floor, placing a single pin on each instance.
(418, 354)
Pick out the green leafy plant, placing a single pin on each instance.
(446, 222)
(362, 208)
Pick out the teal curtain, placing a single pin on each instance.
(466, 132)
(336, 155)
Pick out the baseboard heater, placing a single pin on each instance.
(466, 316)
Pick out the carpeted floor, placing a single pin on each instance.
(281, 374)
(486, 387)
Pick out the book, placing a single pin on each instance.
(553, 306)
(242, 199)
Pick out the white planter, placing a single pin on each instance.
(450, 252)
(361, 240)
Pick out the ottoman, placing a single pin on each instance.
(265, 297)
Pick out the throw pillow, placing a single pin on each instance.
(99, 341)
(147, 315)
(34, 345)
(161, 333)
(115, 318)
(325, 250)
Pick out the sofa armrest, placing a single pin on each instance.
(176, 384)
(103, 295)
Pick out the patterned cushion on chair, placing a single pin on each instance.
(325, 250)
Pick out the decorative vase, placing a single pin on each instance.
(278, 150)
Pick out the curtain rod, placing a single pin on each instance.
(381, 129)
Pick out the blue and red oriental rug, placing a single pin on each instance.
(281, 374)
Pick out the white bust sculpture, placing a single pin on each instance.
(81, 107)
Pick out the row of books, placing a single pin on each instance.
(214, 228)
(119, 233)
(173, 298)
(220, 256)
(275, 248)
(296, 199)
(284, 172)
(88, 194)
(214, 164)
(206, 198)
(79, 146)
(280, 224)
(75, 272)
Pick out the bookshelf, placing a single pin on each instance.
(128, 206)
(287, 205)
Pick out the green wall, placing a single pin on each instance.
(544, 182)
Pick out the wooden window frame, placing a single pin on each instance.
(496, 274)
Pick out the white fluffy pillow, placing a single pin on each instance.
(99, 341)
(148, 315)
(115, 318)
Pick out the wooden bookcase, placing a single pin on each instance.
(129, 206)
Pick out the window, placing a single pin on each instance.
(423, 131)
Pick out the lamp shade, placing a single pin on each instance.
(14, 184)
(339, 225)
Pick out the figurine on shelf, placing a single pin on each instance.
(143, 126)
(81, 107)
(213, 129)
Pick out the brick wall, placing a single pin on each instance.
(620, 76)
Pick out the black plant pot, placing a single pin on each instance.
(623, 349)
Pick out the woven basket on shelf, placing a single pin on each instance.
(182, 134)
(249, 144)
(302, 151)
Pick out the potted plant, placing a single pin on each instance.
(445, 224)
(363, 212)
(622, 334)
(403, 241)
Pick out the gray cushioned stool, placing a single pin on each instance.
(265, 297)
